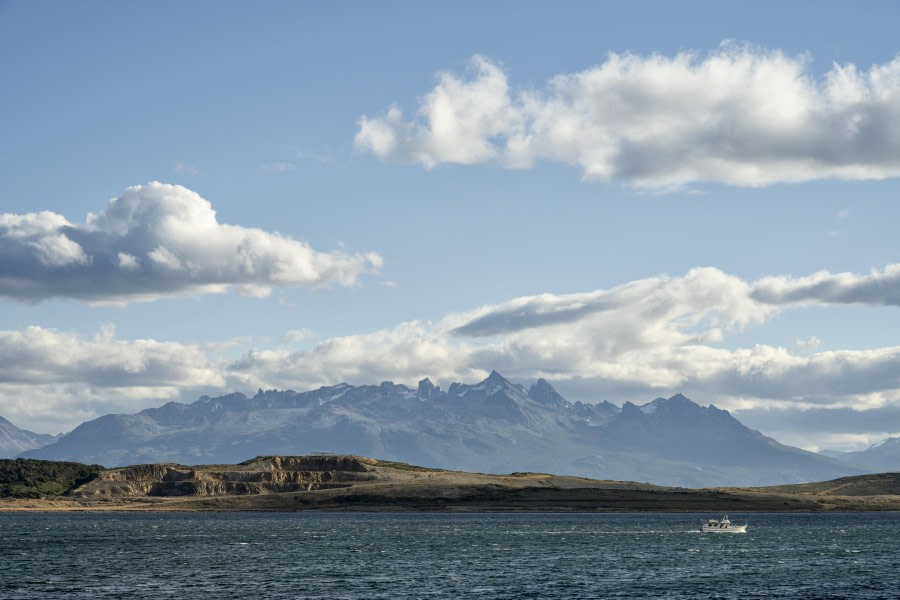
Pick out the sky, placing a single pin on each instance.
(630, 200)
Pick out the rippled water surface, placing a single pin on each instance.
(332, 555)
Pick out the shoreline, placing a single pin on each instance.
(288, 503)
(359, 484)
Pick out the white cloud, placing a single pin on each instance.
(58, 251)
(32, 225)
(701, 302)
(877, 288)
(38, 355)
(636, 341)
(644, 338)
(158, 240)
(53, 380)
(129, 262)
(740, 116)
(808, 345)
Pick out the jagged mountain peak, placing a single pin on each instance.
(679, 403)
(496, 378)
(541, 384)
(492, 384)
(232, 401)
(681, 399)
(631, 410)
(426, 389)
(542, 392)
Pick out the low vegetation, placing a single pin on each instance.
(402, 466)
(26, 478)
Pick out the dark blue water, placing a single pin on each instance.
(322, 555)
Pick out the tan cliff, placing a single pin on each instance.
(262, 475)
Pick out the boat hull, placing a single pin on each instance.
(731, 529)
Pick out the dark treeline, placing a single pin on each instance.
(27, 478)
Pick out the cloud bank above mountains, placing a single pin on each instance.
(155, 241)
(636, 341)
(740, 115)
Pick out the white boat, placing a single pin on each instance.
(723, 526)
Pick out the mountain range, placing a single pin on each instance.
(883, 456)
(493, 426)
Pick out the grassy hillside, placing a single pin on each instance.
(876, 484)
(27, 478)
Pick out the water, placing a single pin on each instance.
(330, 555)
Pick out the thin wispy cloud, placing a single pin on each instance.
(740, 115)
(154, 241)
(182, 167)
(279, 167)
(808, 345)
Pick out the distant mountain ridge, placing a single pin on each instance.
(493, 426)
(883, 456)
(14, 441)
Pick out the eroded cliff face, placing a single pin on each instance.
(262, 475)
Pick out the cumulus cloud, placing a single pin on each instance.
(405, 353)
(37, 355)
(54, 380)
(740, 115)
(158, 240)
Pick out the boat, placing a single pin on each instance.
(723, 526)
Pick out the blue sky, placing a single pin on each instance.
(701, 195)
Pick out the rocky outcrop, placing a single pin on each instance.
(350, 464)
(262, 475)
